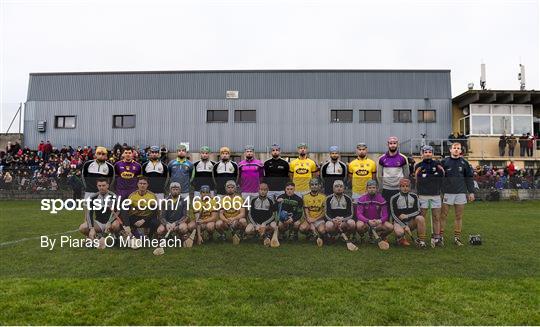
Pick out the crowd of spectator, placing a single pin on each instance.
(508, 177)
(52, 168)
(526, 144)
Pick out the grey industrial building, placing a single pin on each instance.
(235, 108)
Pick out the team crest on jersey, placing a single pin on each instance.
(302, 171)
(339, 170)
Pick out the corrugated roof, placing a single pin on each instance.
(251, 84)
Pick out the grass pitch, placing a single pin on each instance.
(497, 283)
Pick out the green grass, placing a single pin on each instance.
(297, 284)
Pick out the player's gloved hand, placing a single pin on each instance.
(471, 197)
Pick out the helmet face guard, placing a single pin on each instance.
(475, 240)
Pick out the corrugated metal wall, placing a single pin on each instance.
(286, 122)
(318, 84)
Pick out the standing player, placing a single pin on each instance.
(292, 208)
(94, 170)
(302, 169)
(457, 188)
(173, 215)
(405, 211)
(250, 172)
(127, 171)
(392, 167)
(157, 172)
(361, 170)
(314, 209)
(333, 170)
(202, 170)
(181, 169)
(429, 174)
(261, 214)
(276, 172)
(225, 170)
(339, 211)
(233, 213)
(372, 211)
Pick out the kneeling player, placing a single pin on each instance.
(204, 211)
(261, 215)
(314, 205)
(372, 212)
(339, 212)
(405, 212)
(99, 221)
(173, 216)
(232, 214)
(290, 209)
(141, 213)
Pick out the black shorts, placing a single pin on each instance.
(388, 194)
(149, 222)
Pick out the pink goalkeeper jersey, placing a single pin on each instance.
(251, 172)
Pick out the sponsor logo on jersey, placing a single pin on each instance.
(127, 174)
(362, 172)
(302, 171)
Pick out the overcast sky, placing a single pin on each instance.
(57, 36)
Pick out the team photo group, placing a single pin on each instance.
(276, 200)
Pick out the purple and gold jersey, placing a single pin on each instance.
(126, 177)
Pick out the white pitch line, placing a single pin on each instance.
(35, 238)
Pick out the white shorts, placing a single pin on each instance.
(251, 196)
(274, 194)
(100, 225)
(301, 194)
(89, 194)
(197, 193)
(452, 199)
(318, 223)
(425, 199)
(356, 196)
